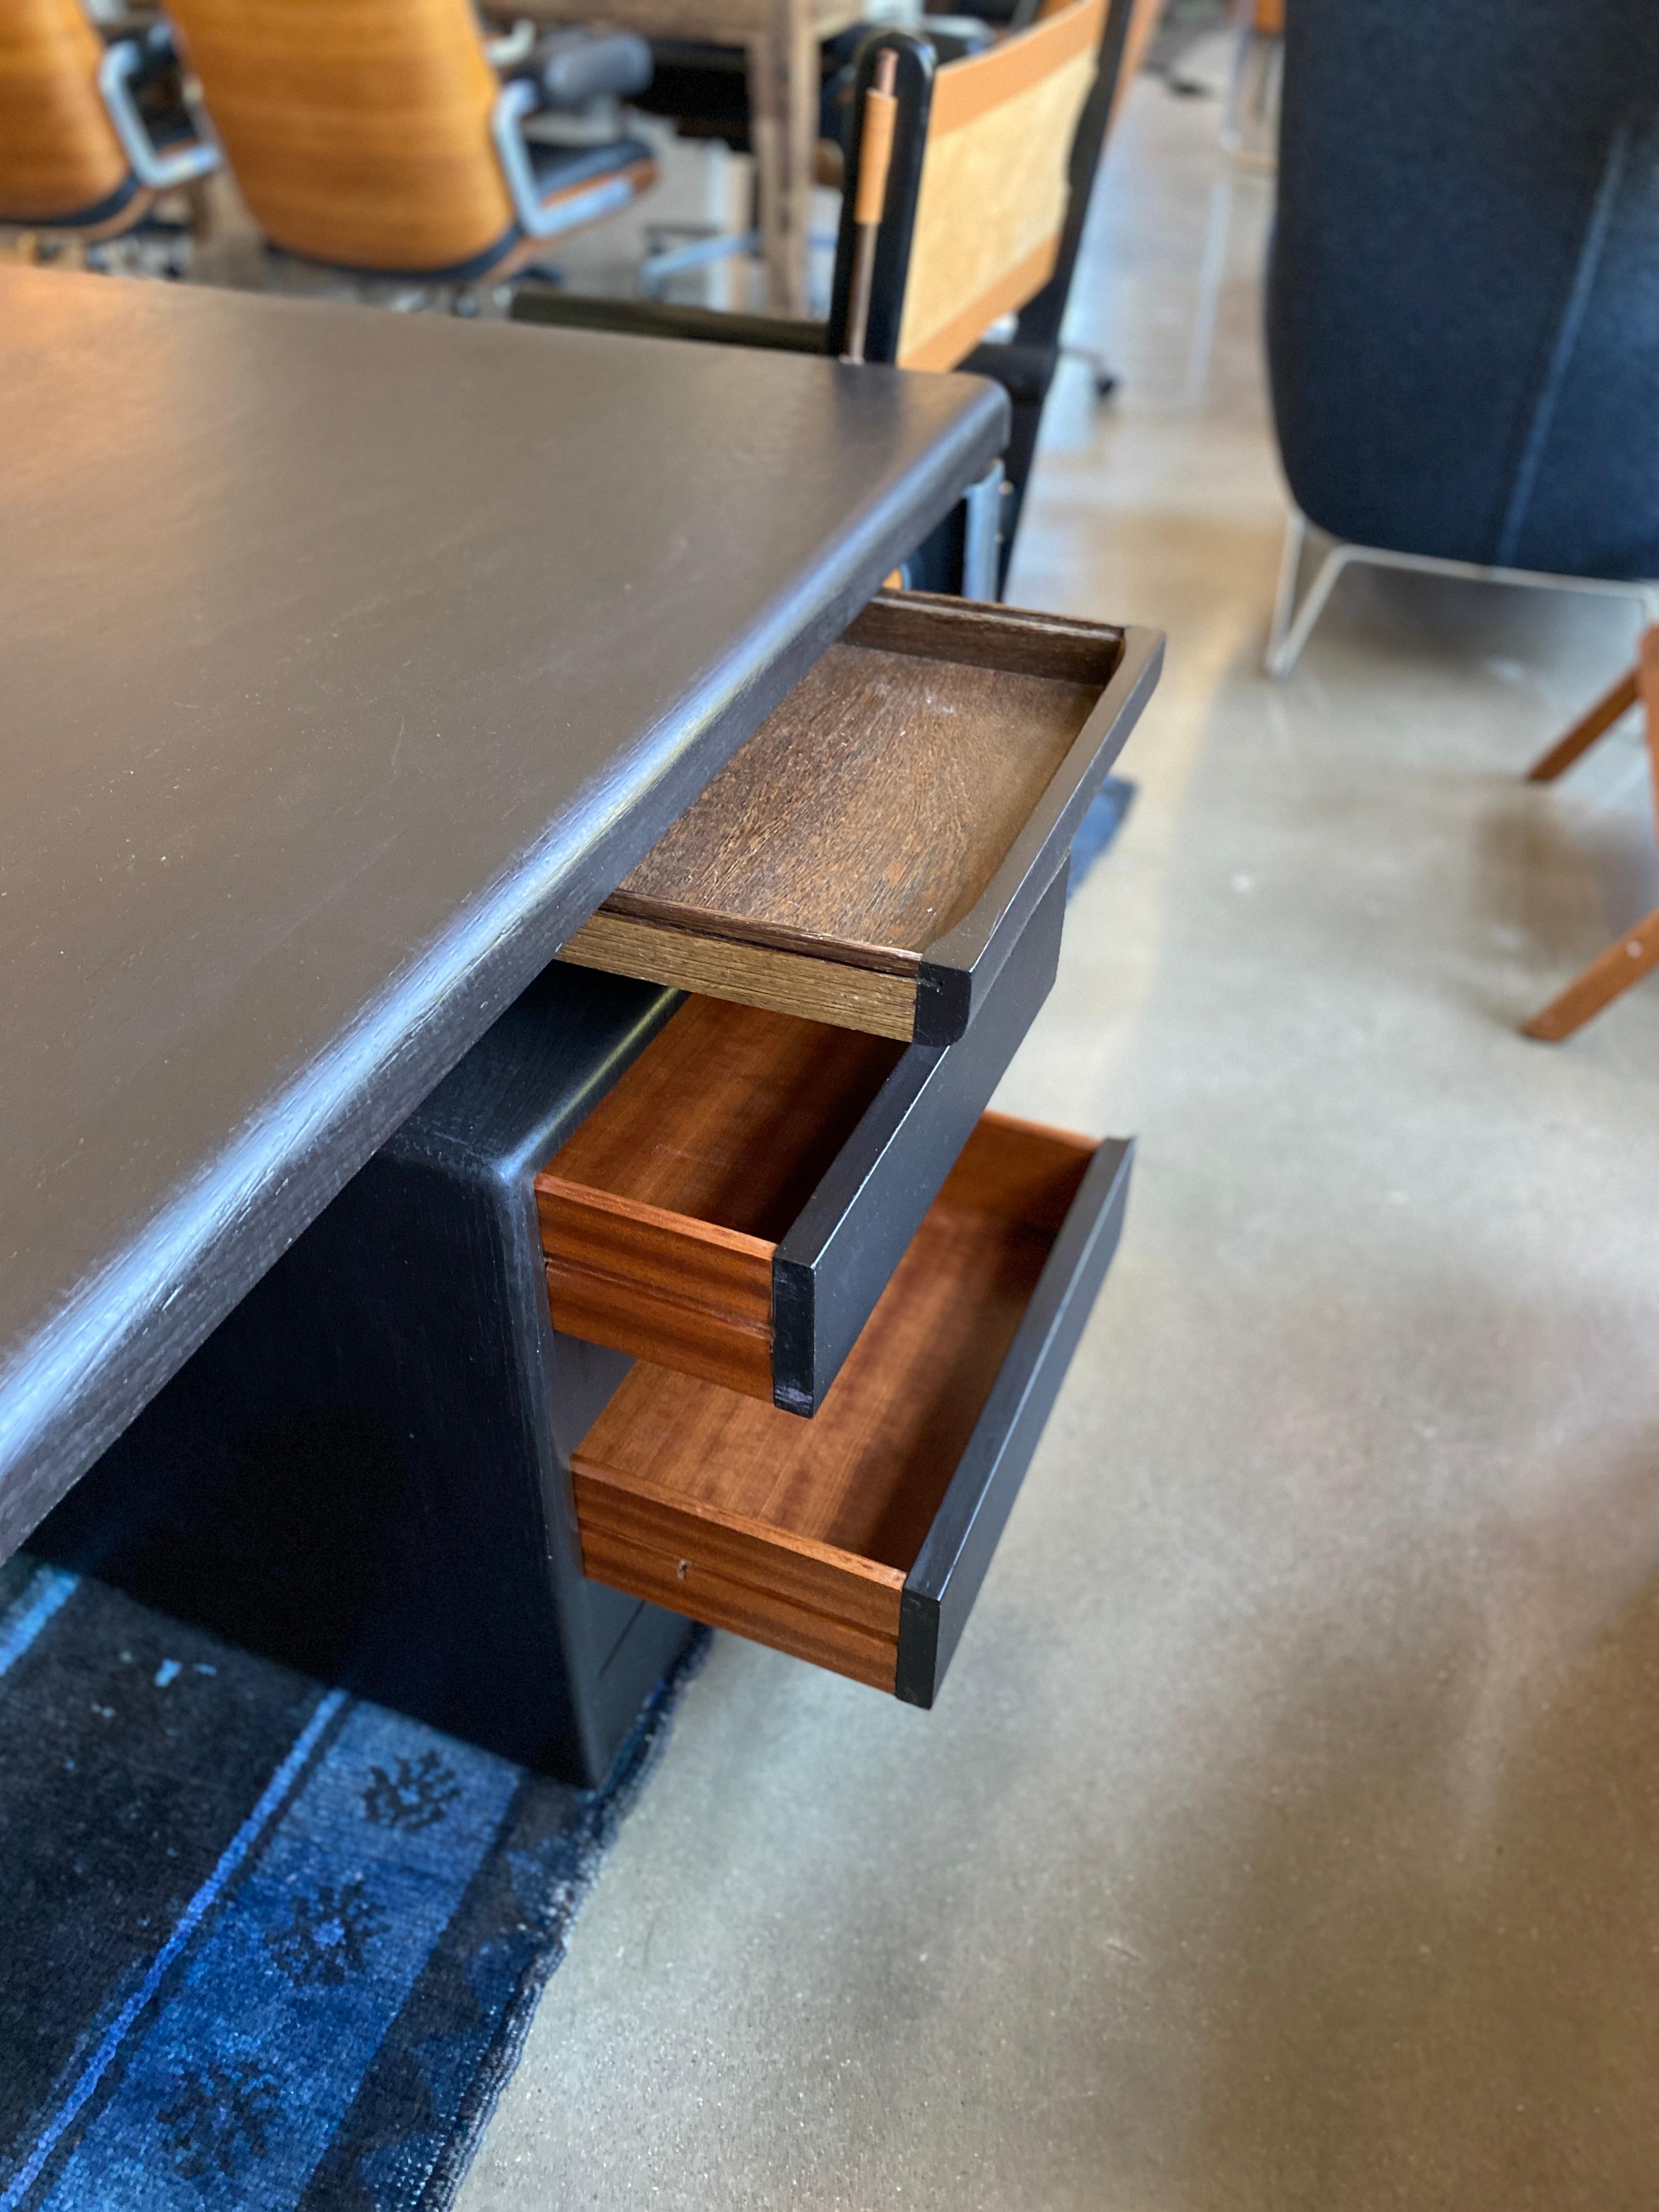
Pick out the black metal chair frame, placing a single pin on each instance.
(1023, 364)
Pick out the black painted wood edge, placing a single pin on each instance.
(67, 1393)
(940, 1591)
(535, 1074)
(838, 1256)
(958, 968)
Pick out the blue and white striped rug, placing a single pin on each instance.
(262, 1944)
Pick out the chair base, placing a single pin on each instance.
(1296, 612)
(677, 249)
(1249, 120)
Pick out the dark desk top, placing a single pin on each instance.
(349, 659)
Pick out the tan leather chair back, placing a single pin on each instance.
(993, 196)
(358, 130)
(59, 154)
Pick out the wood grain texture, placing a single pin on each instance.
(358, 129)
(950, 342)
(873, 806)
(819, 987)
(828, 1607)
(660, 1215)
(1019, 639)
(863, 819)
(1020, 1171)
(687, 1293)
(865, 1478)
(995, 181)
(979, 84)
(731, 1117)
(58, 150)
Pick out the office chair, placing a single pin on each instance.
(704, 90)
(1463, 294)
(978, 216)
(1463, 325)
(1250, 119)
(91, 135)
(374, 135)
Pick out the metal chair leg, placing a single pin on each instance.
(982, 535)
(1293, 627)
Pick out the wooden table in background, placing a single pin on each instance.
(782, 39)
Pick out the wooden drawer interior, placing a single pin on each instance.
(856, 859)
(662, 1216)
(802, 1535)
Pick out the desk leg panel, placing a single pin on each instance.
(364, 1474)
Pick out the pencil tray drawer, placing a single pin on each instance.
(734, 1206)
(871, 856)
(859, 1542)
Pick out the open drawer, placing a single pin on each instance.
(859, 1541)
(736, 1204)
(871, 855)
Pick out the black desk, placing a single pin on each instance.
(350, 661)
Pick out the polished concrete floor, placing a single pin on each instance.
(1287, 1835)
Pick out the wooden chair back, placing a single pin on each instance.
(994, 181)
(359, 131)
(59, 157)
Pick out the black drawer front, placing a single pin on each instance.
(836, 1260)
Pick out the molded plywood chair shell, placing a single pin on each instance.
(995, 182)
(359, 131)
(60, 160)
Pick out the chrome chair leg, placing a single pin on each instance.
(981, 536)
(1292, 626)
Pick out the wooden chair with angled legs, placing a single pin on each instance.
(84, 146)
(967, 185)
(1635, 953)
(376, 135)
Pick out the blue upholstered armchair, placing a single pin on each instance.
(1464, 317)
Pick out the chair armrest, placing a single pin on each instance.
(651, 319)
(125, 66)
(1024, 372)
(570, 67)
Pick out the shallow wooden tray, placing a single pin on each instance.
(870, 856)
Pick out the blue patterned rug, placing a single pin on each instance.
(262, 1944)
